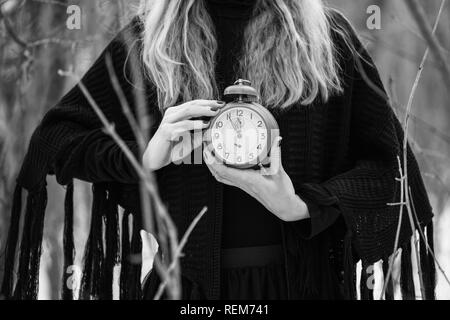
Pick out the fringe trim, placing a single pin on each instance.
(389, 294)
(11, 244)
(406, 275)
(431, 267)
(112, 243)
(130, 274)
(94, 254)
(407, 286)
(366, 284)
(68, 243)
(102, 248)
(27, 285)
(102, 252)
(125, 262)
(349, 269)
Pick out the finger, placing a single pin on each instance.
(208, 156)
(149, 251)
(275, 159)
(194, 109)
(204, 102)
(229, 174)
(179, 128)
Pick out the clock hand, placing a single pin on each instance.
(233, 125)
(237, 128)
(239, 131)
(240, 123)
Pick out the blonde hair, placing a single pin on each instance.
(288, 51)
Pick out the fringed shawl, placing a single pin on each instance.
(341, 155)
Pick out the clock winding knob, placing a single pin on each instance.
(241, 90)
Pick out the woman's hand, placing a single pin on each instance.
(176, 129)
(272, 187)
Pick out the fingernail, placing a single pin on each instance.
(214, 109)
(206, 121)
(180, 139)
(279, 141)
(221, 102)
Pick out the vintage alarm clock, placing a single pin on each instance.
(241, 135)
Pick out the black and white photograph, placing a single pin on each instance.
(243, 152)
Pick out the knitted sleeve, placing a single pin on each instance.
(85, 151)
(363, 195)
(322, 207)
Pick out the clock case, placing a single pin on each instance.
(242, 96)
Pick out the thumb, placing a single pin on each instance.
(275, 158)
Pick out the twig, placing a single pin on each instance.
(397, 234)
(420, 16)
(179, 251)
(124, 103)
(399, 52)
(422, 235)
(62, 42)
(379, 91)
(12, 33)
(435, 131)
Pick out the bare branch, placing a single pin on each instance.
(421, 19)
(12, 33)
(397, 234)
(179, 251)
(124, 103)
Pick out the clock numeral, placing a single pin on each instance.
(219, 124)
(217, 135)
(229, 116)
(263, 136)
(227, 155)
(251, 116)
(220, 147)
(239, 159)
(260, 124)
(240, 113)
(259, 147)
(251, 156)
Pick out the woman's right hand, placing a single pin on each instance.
(179, 121)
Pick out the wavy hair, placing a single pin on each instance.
(288, 51)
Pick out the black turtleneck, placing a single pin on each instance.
(245, 221)
(230, 18)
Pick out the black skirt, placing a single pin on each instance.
(253, 273)
(250, 273)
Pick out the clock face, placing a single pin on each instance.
(239, 136)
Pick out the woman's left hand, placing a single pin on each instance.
(271, 186)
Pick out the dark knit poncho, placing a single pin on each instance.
(341, 156)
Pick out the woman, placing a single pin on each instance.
(294, 234)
